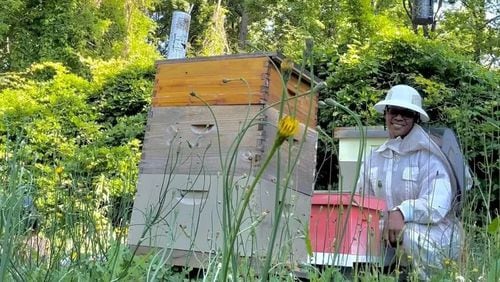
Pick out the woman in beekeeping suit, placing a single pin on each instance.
(414, 177)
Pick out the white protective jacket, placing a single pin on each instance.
(413, 175)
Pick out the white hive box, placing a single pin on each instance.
(188, 140)
(182, 175)
(349, 144)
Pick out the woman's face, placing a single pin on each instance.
(399, 121)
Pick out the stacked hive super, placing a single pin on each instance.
(191, 157)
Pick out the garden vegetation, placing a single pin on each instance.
(76, 80)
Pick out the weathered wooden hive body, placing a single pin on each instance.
(192, 151)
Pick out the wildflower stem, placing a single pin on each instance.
(242, 208)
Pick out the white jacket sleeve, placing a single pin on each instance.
(435, 196)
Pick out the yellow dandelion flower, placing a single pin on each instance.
(59, 170)
(288, 126)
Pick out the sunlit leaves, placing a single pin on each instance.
(68, 31)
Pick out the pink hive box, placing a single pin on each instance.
(344, 229)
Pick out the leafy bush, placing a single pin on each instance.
(82, 156)
(126, 94)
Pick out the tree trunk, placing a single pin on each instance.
(479, 20)
(414, 26)
(425, 29)
(128, 19)
(243, 32)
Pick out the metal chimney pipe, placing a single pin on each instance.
(423, 12)
(179, 32)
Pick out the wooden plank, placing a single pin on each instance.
(205, 115)
(182, 151)
(196, 132)
(204, 127)
(209, 165)
(213, 81)
(190, 132)
(229, 68)
(160, 143)
(193, 161)
(186, 146)
(224, 118)
(245, 79)
(198, 153)
(232, 118)
(201, 113)
(218, 58)
(193, 151)
(185, 99)
(299, 106)
(225, 127)
(197, 126)
(175, 82)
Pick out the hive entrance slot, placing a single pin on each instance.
(202, 128)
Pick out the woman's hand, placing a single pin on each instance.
(393, 226)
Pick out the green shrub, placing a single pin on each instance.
(127, 94)
(83, 162)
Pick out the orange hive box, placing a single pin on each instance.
(232, 80)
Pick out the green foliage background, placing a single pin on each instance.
(78, 136)
(76, 79)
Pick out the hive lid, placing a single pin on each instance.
(344, 199)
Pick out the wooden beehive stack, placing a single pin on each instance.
(188, 147)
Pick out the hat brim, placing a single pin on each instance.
(380, 107)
